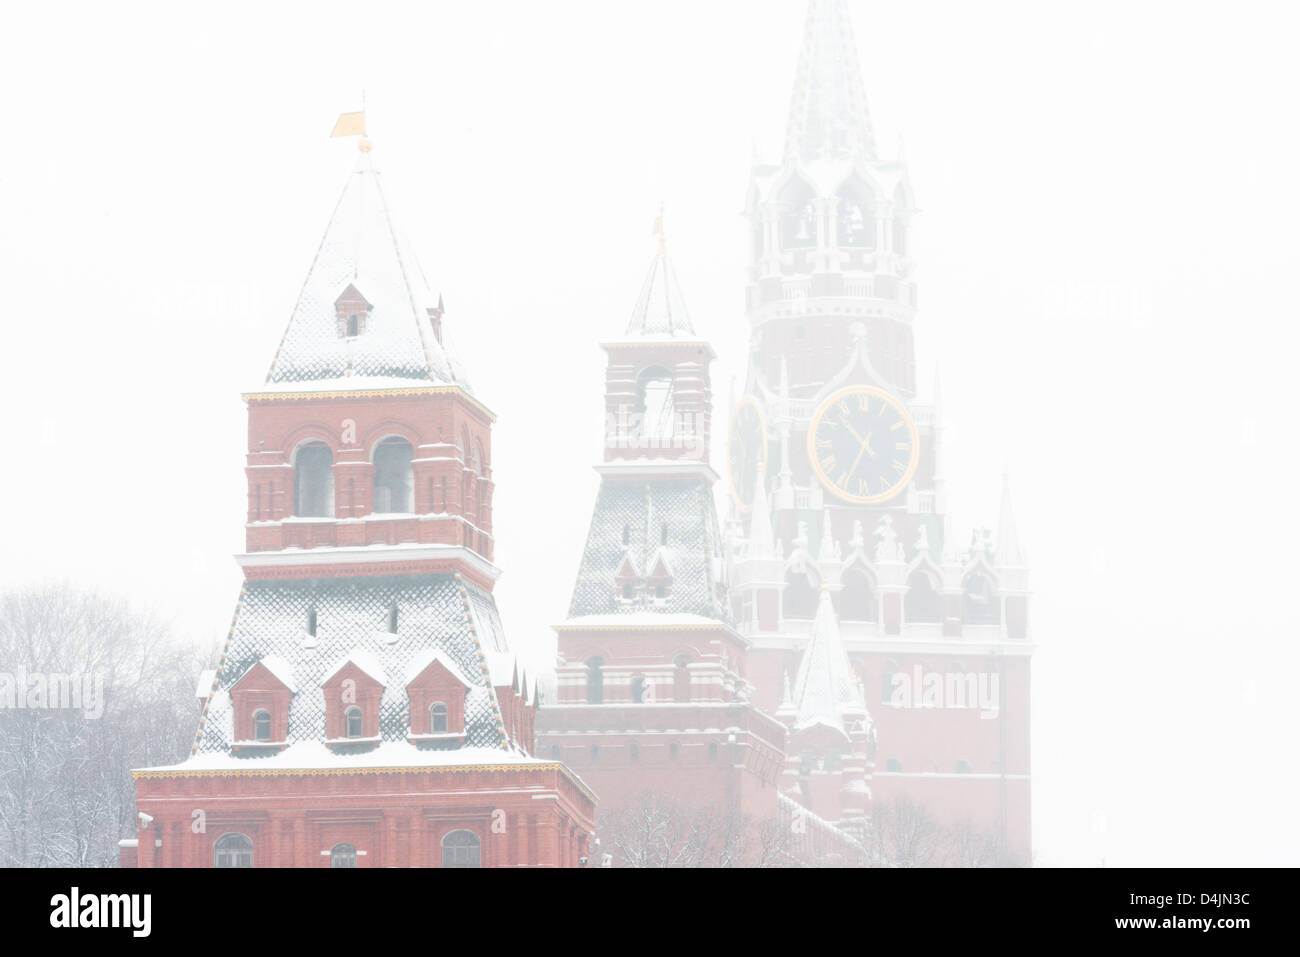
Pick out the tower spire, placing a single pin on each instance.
(660, 309)
(825, 689)
(828, 109)
(1009, 552)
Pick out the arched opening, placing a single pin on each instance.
(313, 481)
(681, 678)
(261, 725)
(438, 718)
(855, 216)
(233, 850)
(352, 722)
(343, 855)
(595, 681)
(893, 764)
(460, 849)
(638, 689)
(654, 406)
(922, 603)
(800, 597)
(979, 600)
(393, 476)
(798, 216)
(858, 597)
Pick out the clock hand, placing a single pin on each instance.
(866, 447)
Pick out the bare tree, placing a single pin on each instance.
(657, 830)
(66, 794)
(906, 834)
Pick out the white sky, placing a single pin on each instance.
(1107, 246)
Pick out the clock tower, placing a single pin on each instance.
(834, 473)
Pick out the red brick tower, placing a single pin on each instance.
(367, 710)
(653, 695)
(836, 482)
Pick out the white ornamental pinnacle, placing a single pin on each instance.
(801, 539)
(827, 551)
(923, 539)
(761, 540)
(886, 540)
(857, 542)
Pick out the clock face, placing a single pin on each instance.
(746, 451)
(863, 445)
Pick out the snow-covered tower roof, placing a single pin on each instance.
(828, 109)
(365, 309)
(660, 308)
(825, 691)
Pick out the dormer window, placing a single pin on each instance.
(261, 699)
(352, 690)
(351, 311)
(436, 687)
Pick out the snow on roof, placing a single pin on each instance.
(825, 689)
(364, 660)
(395, 338)
(282, 670)
(312, 755)
(427, 657)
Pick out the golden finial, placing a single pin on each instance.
(659, 228)
(354, 124)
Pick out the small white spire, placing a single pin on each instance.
(761, 540)
(1010, 554)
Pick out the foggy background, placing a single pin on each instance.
(1106, 245)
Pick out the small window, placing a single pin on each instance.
(963, 766)
(595, 681)
(629, 590)
(311, 621)
(555, 752)
(661, 591)
(353, 327)
(627, 535)
(392, 619)
(262, 725)
(343, 855)
(672, 750)
(595, 752)
(460, 849)
(887, 688)
(233, 850)
(713, 750)
(353, 719)
(634, 752)
(663, 535)
(438, 718)
(893, 764)
(638, 690)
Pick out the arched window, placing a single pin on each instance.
(681, 678)
(352, 718)
(313, 481)
(595, 681)
(233, 850)
(261, 725)
(922, 603)
(963, 766)
(343, 855)
(479, 458)
(855, 217)
(893, 764)
(887, 687)
(799, 216)
(638, 689)
(353, 327)
(438, 718)
(460, 849)
(654, 406)
(979, 600)
(393, 476)
(858, 599)
(800, 599)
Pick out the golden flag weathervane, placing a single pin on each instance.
(354, 124)
(659, 228)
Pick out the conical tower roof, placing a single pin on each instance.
(828, 109)
(364, 260)
(824, 689)
(660, 308)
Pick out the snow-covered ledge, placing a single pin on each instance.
(344, 555)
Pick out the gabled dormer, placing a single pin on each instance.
(261, 699)
(353, 689)
(351, 310)
(435, 691)
(627, 580)
(659, 580)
